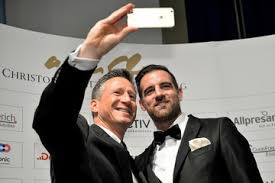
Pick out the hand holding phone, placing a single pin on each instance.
(151, 18)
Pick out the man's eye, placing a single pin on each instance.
(133, 97)
(117, 93)
(148, 92)
(166, 86)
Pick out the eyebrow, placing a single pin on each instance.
(122, 88)
(162, 83)
(166, 82)
(149, 87)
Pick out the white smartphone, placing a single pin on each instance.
(151, 18)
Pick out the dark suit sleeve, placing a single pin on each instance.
(55, 119)
(238, 157)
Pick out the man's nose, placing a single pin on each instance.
(158, 91)
(159, 94)
(126, 97)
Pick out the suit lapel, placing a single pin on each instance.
(191, 131)
(152, 178)
(119, 152)
(143, 163)
(144, 159)
(103, 136)
(138, 174)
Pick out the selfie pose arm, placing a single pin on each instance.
(106, 34)
(57, 114)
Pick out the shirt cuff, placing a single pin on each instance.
(83, 64)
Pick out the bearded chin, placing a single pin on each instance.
(169, 115)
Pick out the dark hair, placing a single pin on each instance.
(96, 93)
(150, 68)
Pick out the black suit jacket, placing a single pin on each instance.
(228, 159)
(79, 153)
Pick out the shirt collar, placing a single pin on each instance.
(111, 134)
(181, 121)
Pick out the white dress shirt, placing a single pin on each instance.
(164, 156)
(83, 64)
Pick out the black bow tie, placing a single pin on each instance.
(174, 132)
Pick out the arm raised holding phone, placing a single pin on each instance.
(81, 153)
(106, 34)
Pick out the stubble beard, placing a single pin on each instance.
(168, 116)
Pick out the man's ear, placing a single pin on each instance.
(141, 105)
(94, 105)
(180, 93)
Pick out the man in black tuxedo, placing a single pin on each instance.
(81, 153)
(187, 149)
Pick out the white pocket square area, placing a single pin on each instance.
(197, 143)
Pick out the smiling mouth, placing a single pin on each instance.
(161, 104)
(124, 110)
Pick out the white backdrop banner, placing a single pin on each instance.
(228, 78)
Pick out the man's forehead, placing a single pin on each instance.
(156, 77)
(118, 82)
